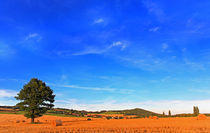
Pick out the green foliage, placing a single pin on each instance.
(164, 114)
(110, 112)
(169, 113)
(108, 117)
(183, 115)
(121, 117)
(140, 112)
(66, 112)
(195, 111)
(36, 98)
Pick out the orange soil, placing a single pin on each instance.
(81, 125)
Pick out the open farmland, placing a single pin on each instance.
(15, 123)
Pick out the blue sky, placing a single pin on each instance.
(108, 54)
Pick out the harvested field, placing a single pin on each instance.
(97, 125)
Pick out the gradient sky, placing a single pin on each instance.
(108, 54)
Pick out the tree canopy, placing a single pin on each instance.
(195, 110)
(36, 98)
(169, 113)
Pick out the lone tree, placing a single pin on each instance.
(169, 113)
(195, 110)
(36, 98)
(164, 114)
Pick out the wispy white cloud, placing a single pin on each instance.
(184, 50)
(163, 80)
(13, 79)
(107, 89)
(64, 77)
(146, 62)
(154, 29)
(5, 101)
(194, 65)
(206, 91)
(31, 42)
(90, 88)
(153, 63)
(33, 36)
(6, 50)
(154, 9)
(164, 47)
(97, 21)
(93, 50)
(195, 27)
(7, 93)
(120, 44)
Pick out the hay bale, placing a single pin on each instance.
(201, 117)
(154, 117)
(57, 123)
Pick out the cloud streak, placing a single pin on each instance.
(154, 8)
(93, 50)
(89, 88)
(154, 29)
(7, 93)
(33, 36)
(98, 21)
(164, 47)
(6, 50)
(107, 89)
(206, 91)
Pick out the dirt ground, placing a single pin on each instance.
(19, 124)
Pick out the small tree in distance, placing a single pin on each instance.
(36, 98)
(169, 113)
(195, 110)
(164, 114)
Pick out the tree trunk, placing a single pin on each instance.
(32, 120)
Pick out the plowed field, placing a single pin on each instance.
(18, 124)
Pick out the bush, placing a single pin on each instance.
(108, 117)
(121, 117)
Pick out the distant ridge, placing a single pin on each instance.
(137, 111)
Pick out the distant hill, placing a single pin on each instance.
(7, 107)
(140, 112)
(137, 111)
